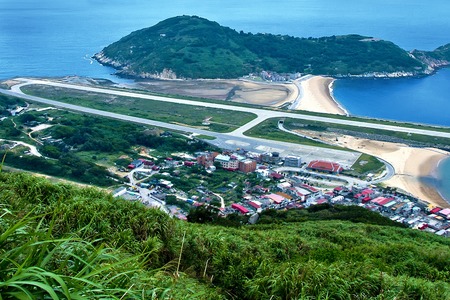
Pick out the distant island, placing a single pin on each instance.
(194, 47)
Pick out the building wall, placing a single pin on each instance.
(232, 164)
(292, 161)
(247, 166)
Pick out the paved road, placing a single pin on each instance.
(231, 140)
(389, 173)
(33, 149)
(262, 114)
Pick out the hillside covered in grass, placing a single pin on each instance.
(194, 47)
(63, 242)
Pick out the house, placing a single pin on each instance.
(310, 189)
(283, 185)
(255, 204)
(325, 166)
(292, 161)
(276, 176)
(271, 157)
(135, 164)
(435, 210)
(227, 162)
(189, 163)
(206, 159)
(445, 213)
(166, 183)
(247, 166)
(284, 195)
(240, 208)
(277, 199)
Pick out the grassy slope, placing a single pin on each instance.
(194, 47)
(301, 260)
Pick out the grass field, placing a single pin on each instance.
(332, 116)
(269, 130)
(321, 126)
(367, 164)
(220, 120)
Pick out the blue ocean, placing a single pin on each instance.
(57, 38)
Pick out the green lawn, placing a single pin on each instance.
(367, 164)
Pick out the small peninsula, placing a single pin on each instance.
(194, 47)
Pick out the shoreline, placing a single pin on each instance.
(315, 94)
(415, 169)
(331, 95)
(437, 176)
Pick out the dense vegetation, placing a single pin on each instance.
(80, 147)
(7, 102)
(58, 241)
(194, 47)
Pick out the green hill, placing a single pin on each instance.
(193, 47)
(59, 241)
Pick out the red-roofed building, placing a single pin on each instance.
(277, 199)
(338, 188)
(325, 166)
(276, 176)
(322, 201)
(240, 208)
(254, 204)
(435, 210)
(312, 189)
(366, 199)
(357, 196)
(367, 192)
(381, 201)
(445, 213)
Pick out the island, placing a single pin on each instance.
(193, 47)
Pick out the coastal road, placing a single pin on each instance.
(262, 114)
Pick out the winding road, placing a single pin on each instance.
(231, 140)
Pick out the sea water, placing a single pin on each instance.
(57, 38)
(443, 181)
(423, 100)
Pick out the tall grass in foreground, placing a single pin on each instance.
(34, 265)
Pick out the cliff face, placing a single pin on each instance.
(193, 47)
(434, 59)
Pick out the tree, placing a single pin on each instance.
(203, 214)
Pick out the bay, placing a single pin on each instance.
(51, 38)
(422, 100)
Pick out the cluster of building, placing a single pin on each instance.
(244, 161)
(292, 193)
(294, 190)
(276, 77)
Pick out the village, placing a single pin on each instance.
(273, 182)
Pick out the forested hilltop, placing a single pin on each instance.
(194, 47)
(62, 242)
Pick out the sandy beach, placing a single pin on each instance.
(315, 96)
(410, 164)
